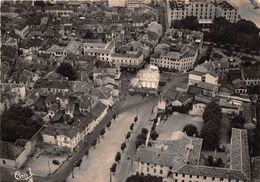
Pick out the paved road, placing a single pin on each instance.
(125, 167)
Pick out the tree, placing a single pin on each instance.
(176, 24)
(247, 27)
(123, 146)
(89, 34)
(189, 22)
(132, 126)
(139, 142)
(102, 132)
(66, 70)
(144, 131)
(109, 124)
(210, 135)
(141, 136)
(113, 168)
(213, 113)
(135, 119)
(238, 121)
(118, 157)
(128, 135)
(19, 122)
(154, 135)
(94, 143)
(191, 130)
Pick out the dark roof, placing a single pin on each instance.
(9, 150)
(98, 109)
(251, 72)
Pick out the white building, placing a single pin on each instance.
(103, 51)
(196, 76)
(146, 79)
(155, 27)
(180, 161)
(130, 59)
(205, 10)
(176, 61)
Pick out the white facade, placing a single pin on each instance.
(131, 58)
(205, 11)
(155, 27)
(174, 61)
(195, 77)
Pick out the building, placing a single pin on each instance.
(180, 160)
(205, 11)
(249, 114)
(131, 59)
(11, 155)
(197, 76)
(147, 80)
(251, 75)
(22, 30)
(101, 50)
(155, 27)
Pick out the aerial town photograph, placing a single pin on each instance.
(130, 91)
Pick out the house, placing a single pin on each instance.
(199, 104)
(155, 27)
(102, 50)
(104, 95)
(11, 155)
(87, 103)
(249, 114)
(182, 160)
(239, 87)
(105, 76)
(82, 62)
(197, 76)
(177, 98)
(52, 86)
(22, 30)
(251, 75)
(203, 88)
(176, 61)
(99, 112)
(131, 59)
(19, 90)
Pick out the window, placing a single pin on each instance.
(213, 178)
(183, 175)
(190, 176)
(147, 169)
(198, 176)
(4, 162)
(161, 171)
(176, 180)
(176, 174)
(204, 177)
(154, 170)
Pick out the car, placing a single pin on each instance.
(56, 162)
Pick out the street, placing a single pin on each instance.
(105, 151)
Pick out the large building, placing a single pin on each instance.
(182, 160)
(205, 10)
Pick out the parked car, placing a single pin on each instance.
(56, 162)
